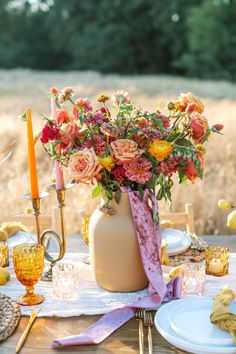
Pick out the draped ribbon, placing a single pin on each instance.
(149, 240)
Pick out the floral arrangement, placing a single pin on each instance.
(120, 145)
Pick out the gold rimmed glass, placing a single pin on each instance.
(28, 260)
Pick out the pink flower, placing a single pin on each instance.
(137, 170)
(66, 94)
(199, 126)
(84, 166)
(95, 118)
(70, 133)
(84, 104)
(112, 130)
(97, 143)
(120, 98)
(124, 150)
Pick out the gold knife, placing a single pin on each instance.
(22, 339)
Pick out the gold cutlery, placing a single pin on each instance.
(140, 316)
(22, 339)
(148, 322)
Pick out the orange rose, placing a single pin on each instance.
(84, 166)
(124, 150)
(199, 126)
(190, 100)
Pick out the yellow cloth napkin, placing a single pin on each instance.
(221, 316)
(8, 229)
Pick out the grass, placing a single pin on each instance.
(22, 88)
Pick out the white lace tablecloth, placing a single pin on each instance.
(91, 299)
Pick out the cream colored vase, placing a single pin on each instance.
(114, 251)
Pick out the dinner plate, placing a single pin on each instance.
(19, 238)
(177, 241)
(169, 323)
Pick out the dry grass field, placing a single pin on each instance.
(22, 88)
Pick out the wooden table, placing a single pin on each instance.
(124, 340)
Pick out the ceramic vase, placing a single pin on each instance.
(114, 252)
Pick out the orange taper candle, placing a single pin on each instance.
(31, 157)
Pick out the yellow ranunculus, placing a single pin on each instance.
(201, 149)
(107, 162)
(160, 149)
(224, 204)
(231, 221)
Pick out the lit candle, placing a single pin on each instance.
(215, 266)
(31, 157)
(58, 169)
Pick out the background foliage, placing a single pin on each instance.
(192, 38)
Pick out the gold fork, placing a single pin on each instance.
(140, 316)
(148, 322)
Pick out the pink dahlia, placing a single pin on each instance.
(137, 170)
(84, 104)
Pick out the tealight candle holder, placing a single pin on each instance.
(4, 254)
(65, 280)
(192, 276)
(217, 261)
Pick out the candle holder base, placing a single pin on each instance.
(47, 275)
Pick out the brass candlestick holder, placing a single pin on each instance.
(44, 238)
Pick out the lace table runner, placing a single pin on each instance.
(91, 299)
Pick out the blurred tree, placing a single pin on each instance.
(135, 36)
(211, 41)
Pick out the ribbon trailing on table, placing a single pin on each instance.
(149, 240)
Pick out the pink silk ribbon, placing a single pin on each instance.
(149, 240)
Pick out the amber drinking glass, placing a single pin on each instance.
(28, 260)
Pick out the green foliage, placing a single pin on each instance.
(195, 38)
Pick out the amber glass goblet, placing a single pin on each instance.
(28, 260)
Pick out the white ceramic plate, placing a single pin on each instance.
(19, 238)
(176, 241)
(186, 325)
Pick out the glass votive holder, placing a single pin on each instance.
(217, 261)
(85, 218)
(4, 254)
(193, 276)
(65, 280)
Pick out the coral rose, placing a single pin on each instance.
(194, 102)
(137, 170)
(199, 126)
(160, 149)
(124, 150)
(190, 170)
(84, 165)
(70, 133)
(62, 117)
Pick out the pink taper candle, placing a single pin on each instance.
(58, 169)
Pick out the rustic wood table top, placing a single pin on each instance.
(124, 340)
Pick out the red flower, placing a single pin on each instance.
(62, 117)
(53, 91)
(165, 120)
(142, 123)
(218, 127)
(190, 170)
(119, 174)
(50, 132)
(105, 111)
